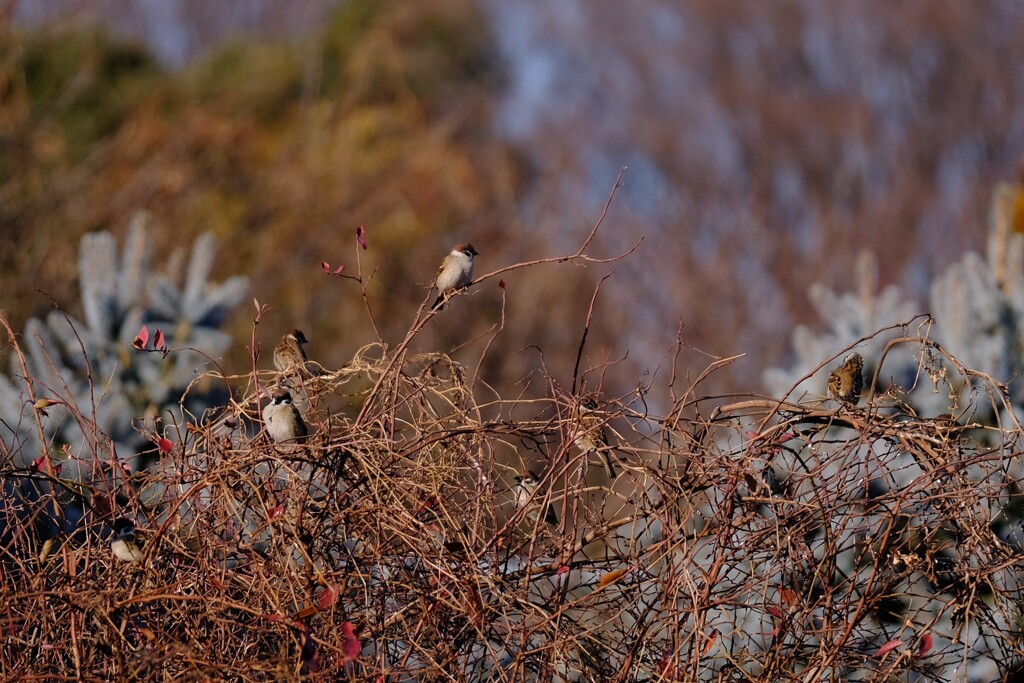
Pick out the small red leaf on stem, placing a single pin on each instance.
(926, 644)
(159, 343)
(37, 464)
(327, 269)
(667, 666)
(361, 236)
(888, 647)
(351, 646)
(710, 641)
(562, 570)
(164, 445)
(275, 511)
(329, 596)
(141, 339)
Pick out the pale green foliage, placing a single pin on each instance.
(91, 364)
(977, 304)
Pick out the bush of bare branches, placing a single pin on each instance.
(736, 538)
(757, 540)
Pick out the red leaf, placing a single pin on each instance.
(501, 283)
(275, 511)
(327, 269)
(351, 646)
(37, 464)
(360, 236)
(141, 339)
(667, 665)
(774, 611)
(329, 597)
(926, 644)
(562, 570)
(788, 596)
(711, 641)
(888, 647)
(159, 343)
(164, 445)
(57, 469)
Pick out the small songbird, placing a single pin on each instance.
(127, 545)
(456, 272)
(284, 423)
(847, 381)
(591, 435)
(525, 490)
(289, 355)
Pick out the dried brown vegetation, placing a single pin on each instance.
(743, 537)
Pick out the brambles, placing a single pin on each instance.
(771, 539)
(750, 537)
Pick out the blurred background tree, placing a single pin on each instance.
(767, 145)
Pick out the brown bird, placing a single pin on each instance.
(591, 435)
(847, 381)
(455, 273)
(289, 356)
(284, 423)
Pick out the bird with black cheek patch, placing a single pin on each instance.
(283, 420)
(126, 544)
(528, 499)
(289, 354)
(455, 273)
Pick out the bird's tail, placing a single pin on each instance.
(437, 302)
(606, 462)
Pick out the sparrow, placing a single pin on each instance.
(592, 437)
(456, 272)
(126, 545)
(289, 354)
(284, 423)
(847, 381)
(525, 491)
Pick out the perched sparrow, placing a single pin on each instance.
(591, 436)
(288, 354)
(127, 545)
(284, 423)
(525, 489)
(847, 381)
(456, 271)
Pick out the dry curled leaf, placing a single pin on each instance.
(611, 577)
